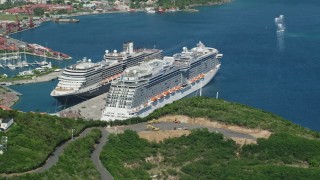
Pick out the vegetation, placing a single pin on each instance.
(231, 113)
(206, 155)
(74, 162)
(291, 152)
(33, 137)
(10, 17)
(36, 73)
(10, 4)
(182, 4)
(38, 11)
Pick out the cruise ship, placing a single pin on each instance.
(86, 79)
(154, 83)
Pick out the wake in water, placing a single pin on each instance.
(280, 25)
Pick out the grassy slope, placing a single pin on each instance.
(232, 113)
(286, 154)
(32, 138)
(74, 163)
(9, 17)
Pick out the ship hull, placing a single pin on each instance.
(145, 111)
(82, 96)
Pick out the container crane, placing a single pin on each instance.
(18, 23)
(31, 24)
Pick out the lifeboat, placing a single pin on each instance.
(201, 76)
(160, 96)
(153, 99)
(166, 93)
(178, 88)
(172, 90)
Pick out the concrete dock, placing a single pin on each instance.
(90, 109)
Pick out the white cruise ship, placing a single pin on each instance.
(154, 83)
(86, 79)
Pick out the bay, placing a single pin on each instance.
(279, 74)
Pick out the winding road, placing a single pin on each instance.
(104, 173)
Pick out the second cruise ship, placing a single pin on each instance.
(86, 79)
(154, 83)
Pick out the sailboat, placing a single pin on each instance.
(44, 62)
(25, 62)
(11, 66)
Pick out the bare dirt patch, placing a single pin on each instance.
(257, 133)
(7, 98)
(158, 136)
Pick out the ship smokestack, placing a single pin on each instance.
(128, 47)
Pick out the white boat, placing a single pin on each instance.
(11, 66)
(150, 10)
(42, 63)
(25, 63)
(26, 73)
(19, 64)
(48, 65)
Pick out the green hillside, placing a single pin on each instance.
(291, 152)
(33, 137)
(74, 163)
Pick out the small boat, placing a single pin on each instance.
(150, 10)
(166, 93)
(153, 99)
(25, 63)
(11, 66)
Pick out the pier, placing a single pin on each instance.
(90, 109)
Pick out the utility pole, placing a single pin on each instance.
(72, 133)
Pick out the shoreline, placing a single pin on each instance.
(44, 78)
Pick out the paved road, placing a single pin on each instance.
(52, 160)
(104, 173)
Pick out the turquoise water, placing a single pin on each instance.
(280, 74)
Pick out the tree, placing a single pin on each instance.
(38, 11)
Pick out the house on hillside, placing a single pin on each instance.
(5, 123)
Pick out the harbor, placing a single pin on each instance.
(240, 69)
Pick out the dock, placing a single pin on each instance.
(90, 109)
(66, 20)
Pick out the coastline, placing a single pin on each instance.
(44, 78)
(8, 96)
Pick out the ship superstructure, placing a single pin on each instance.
(86, 79)
(154, 83)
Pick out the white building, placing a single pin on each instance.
(5, 123)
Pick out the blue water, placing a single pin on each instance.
(280, 74)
